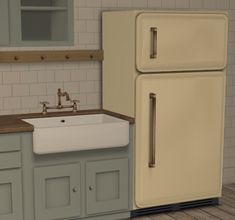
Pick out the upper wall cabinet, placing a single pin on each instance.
(4, 23)
(36, 22)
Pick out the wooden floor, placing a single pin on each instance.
(225, 211)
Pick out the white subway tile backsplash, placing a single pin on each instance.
(20, 90)
(11, 103)
(11, 77)
(93, 4)
(140, 4)
(37, 89)
(85, 13)
(93, 26)
(19, 67)
(97, 86)
(109, 3)
(62, 76)
(5, 91)
(93, 98)
(71, 87)
(86, 38)
(182, 4)
(124, 3)
(210, 4)
(36, 66)
(155, 3)
(46, 76)
(168, 4)
(93, 74)
(28, 77)
(53, 87)
(231, 4)
(196, 4)
(78, 75)
(87, 86)
(5, 67)
(29, 102)
(1, 104)
(223, 4)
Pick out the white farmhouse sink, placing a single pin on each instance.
(75, 133)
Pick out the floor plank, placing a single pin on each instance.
(180, 216)
(224, 211)
(161, 217)
(200, 214)
(227, 201)
(214, 211)
(231, 187)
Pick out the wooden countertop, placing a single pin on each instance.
(13, 123)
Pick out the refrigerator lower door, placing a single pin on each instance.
(172, 41)
(179, 137)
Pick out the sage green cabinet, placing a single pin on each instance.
(107, 186)
(11, 195)
(4, 22)
(39, 22)
(57, 192)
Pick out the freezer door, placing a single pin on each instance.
(179, 137)
(181, 42)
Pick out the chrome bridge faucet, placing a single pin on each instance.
(60, 94)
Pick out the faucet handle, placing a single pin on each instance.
(44, 106)
(75, 105)
(44, 103)
(75, 101)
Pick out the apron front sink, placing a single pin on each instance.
(76, 133)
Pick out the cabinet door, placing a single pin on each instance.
(11, 195)
(107, 185)
(4, 22)
(57, 192)
(179, 137)
(181, 41)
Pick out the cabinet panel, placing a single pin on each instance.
(4, 22)
(181, 41)
(11, 195)
(57, 191)
(107, 185)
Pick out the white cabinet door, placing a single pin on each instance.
(180, 41)
(188, 149)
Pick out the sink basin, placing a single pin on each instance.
(76, 133)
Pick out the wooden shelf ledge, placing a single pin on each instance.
(49, 56)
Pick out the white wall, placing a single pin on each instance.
(22, 86)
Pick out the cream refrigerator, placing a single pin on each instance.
(167, 70)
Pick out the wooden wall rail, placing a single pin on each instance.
(47, 56)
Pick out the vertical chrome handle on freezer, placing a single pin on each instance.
(153, 53)
(152, 133)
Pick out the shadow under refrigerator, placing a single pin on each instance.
(167, 69)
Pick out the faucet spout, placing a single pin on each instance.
(61, 94)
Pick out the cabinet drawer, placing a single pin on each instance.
(9, 142)
(10, 160)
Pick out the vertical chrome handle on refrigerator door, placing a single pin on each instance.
(153, 53)
(152, 132)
